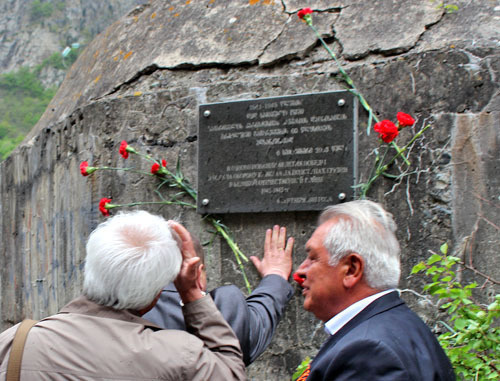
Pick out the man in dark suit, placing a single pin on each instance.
(254, 318)
(349, 279)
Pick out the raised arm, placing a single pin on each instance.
(264, 307)
(220, 358)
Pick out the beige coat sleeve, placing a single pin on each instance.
(221, 357)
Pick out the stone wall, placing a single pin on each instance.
(143, 79)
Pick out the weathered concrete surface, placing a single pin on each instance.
(400, 25)
(476, 166)
(150, 98)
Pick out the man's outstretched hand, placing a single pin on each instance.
(277, 254)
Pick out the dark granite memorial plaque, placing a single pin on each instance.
(286, 153)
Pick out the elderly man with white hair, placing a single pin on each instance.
(349, 279)
(101, 335)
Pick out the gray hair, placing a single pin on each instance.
(130, 258)
(364, 227)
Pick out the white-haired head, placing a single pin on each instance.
(130, 258)
(364, 227)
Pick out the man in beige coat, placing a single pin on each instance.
(101, 335)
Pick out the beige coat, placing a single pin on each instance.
(86, 341)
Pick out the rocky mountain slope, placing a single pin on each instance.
(33, 30)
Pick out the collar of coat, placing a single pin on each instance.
(84, 306)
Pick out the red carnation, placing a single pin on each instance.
(164, 163)
(303, 12)
(155, 168)
(387, 130)
(297, 278)
(85, 170)
(405, 119)
(123, 149)
(104, 205)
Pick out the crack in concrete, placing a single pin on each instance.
(187, 66)
(427, 27)
(289, 19)
(148, 70)
(330, 9)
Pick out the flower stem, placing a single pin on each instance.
(380, 169)
(234, 247)
(125, 170)
(145, 156)
(352, 87)
(165, 202)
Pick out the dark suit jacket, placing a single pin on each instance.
(385, 341)
(253, 319)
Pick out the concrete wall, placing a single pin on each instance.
(143, 79)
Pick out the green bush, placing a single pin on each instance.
(39, 10)
(61, 5)
(472, 340)
(57, 61)
(23, 99)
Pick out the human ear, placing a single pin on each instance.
(202, 278)
(354, 266)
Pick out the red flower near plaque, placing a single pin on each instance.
(85, 170)
(405, 119)
(155, 168)
(304, 12)
(104, 206)
(123, 149)
(387, 130)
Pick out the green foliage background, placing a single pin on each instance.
(23, 99)
(472, 337)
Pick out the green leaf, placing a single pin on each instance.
(301, 368)
(433, 259)
(472, 285)
(418, 267)
(493, 306)
(460, 324)
(444, 248)
(428, 286)
(450, 8)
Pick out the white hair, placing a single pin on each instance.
(364, 227)
(130, 258)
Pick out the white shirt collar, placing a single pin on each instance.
(342, 318)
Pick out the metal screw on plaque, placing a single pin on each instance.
(341, 102)
(206, 113)
(204, 202)
(341, 196)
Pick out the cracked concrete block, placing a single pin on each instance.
(476, 159)
(315, 5)
(475, 23)
(389, 27)
(476, 190)
(287, 46)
